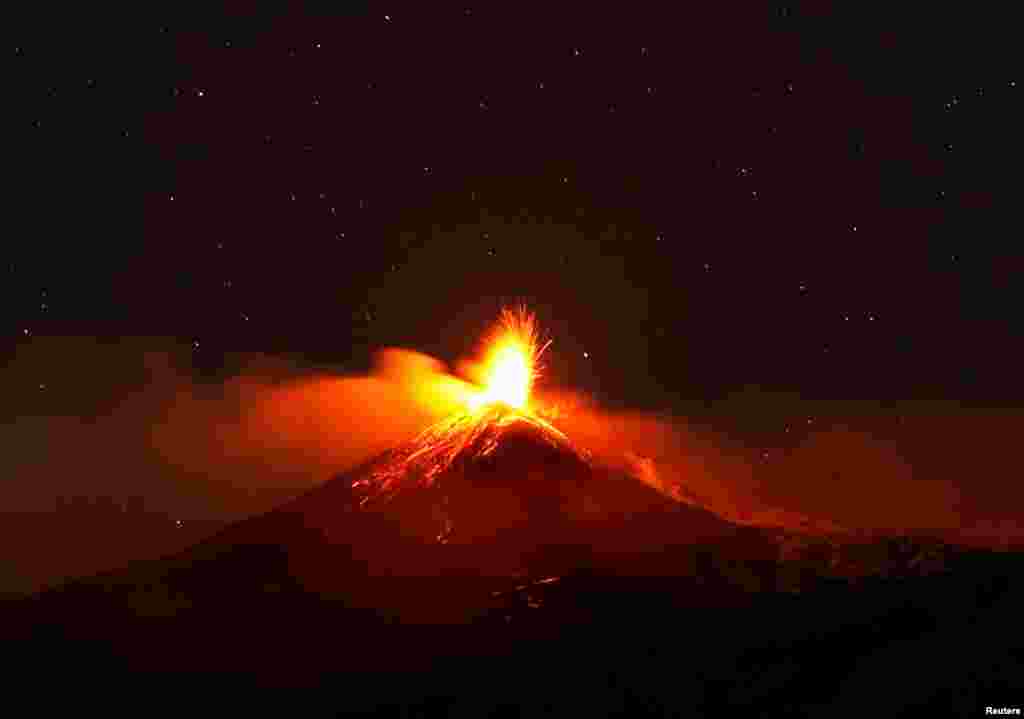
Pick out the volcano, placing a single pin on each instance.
(490, 564)
(438, 535)
(429, 532)
(486, 556)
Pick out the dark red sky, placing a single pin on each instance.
(793, 196)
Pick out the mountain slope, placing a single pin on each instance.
(496, 555)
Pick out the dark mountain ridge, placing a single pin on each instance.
(522, 572)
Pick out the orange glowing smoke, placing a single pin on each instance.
(512, 362)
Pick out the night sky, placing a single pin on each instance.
(798, 202)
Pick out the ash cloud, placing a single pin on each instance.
(109, 444)
(932, 467)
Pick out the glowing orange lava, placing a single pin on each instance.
(511, 364)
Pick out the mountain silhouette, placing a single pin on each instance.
(491, 558)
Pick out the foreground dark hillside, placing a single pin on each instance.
(700, 644)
